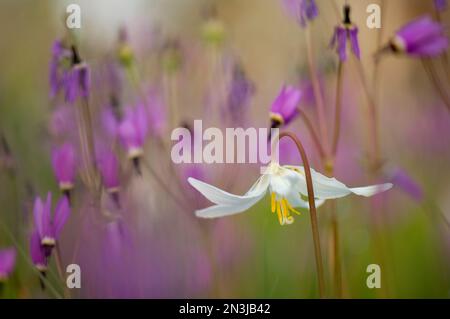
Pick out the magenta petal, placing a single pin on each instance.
(37, 251)
(7, 261)
(342, 43)
(47, 229)
(38, 211)
(64, 163)
(62, 213)
(354, 42)
(109, 169)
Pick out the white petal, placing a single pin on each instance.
(229, 204)
(221, 197)
(330, 188)
(227, 210)
(282, 181)
(371, 190)
(297, 202)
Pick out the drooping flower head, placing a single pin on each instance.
(287, 185)
(7, 262)
(57, 69)
(406, 183)
(240, 92)
(109, 169)
(64, 166)
(301, 10)
(133, 132)
(346, 33)
(441, 5)
(422, 37)
(284, 108)
(77, 82)
(49, 227)
(213, 30)
(38, 252)
(125, 53)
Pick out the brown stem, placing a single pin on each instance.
(313, 132)
(316, 88)
(312, 210)
(337, 271)
(337, 112)
(435, 80)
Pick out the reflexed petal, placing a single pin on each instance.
(7, 261)
(329, 188)
(227, 210)
(61, 215)
(47, 229)
(37, 251)
(354, 42)
(224, 198)
(38, 210)
(368, 191)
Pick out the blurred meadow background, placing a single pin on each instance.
(224, 62)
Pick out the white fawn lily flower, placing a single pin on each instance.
(287, 186)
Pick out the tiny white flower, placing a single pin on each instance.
(287, 185)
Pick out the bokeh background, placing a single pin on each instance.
(158, 249)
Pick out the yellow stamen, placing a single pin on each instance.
(274, 198)
(292, 208)
(283, 209)
(280, 218)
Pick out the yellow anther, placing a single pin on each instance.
(274, 202)
(292, 208)
(280, 217)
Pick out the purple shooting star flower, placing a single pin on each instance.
(420, 38)
(49, 228)
(441, 5)
(64, 166)
(7, 262)
(109, 170)
(301, 10)
(284, 108)
(240, 92)
(402, 179)
(37, 252)
(133, 131)
(77, 82)
(57, 73)
(344, 33)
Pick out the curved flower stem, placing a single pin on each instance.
(312, 210)
(317, 91)
(337, 112)
(313, 132)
